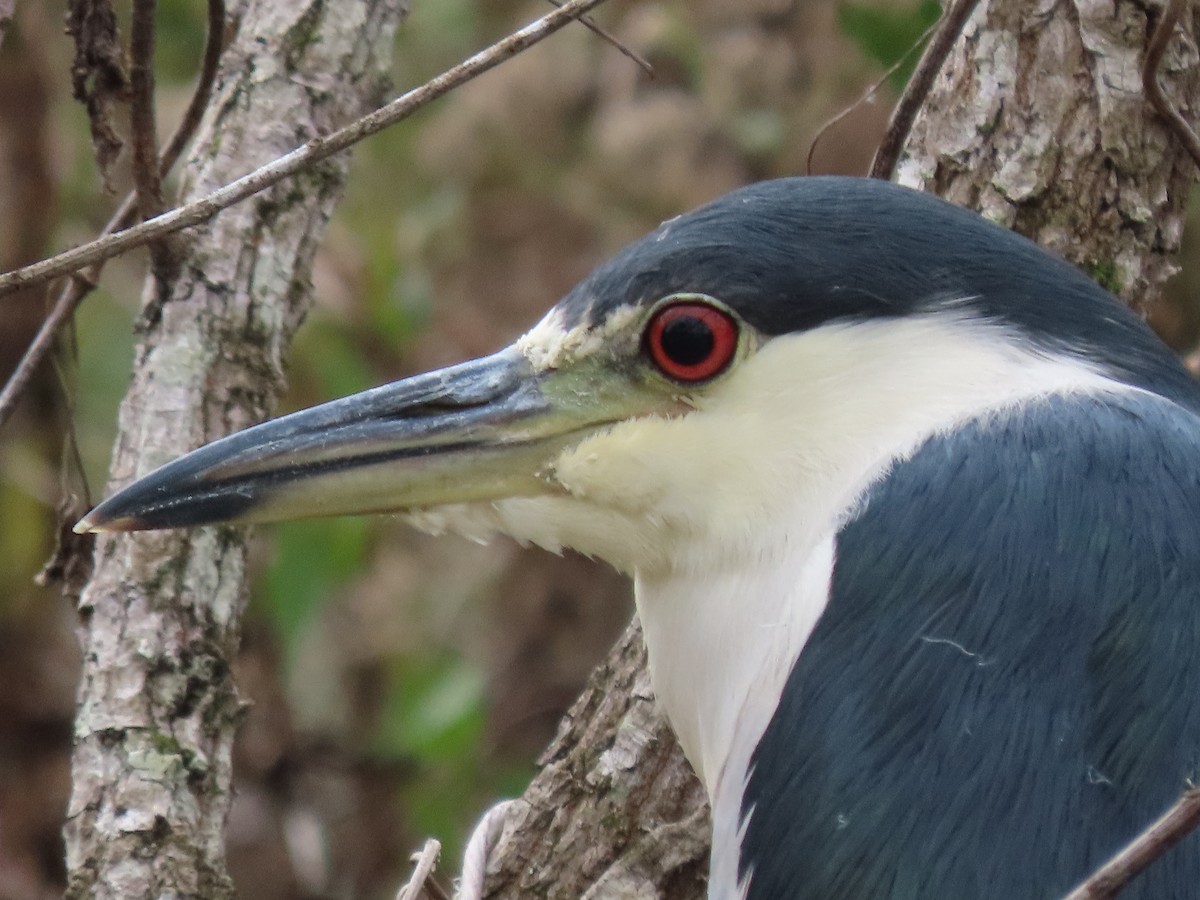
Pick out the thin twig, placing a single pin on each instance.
(146, 173)
(297, 160)
(77, 288)
(589, 23)
(425, 860)
(1153, 88)
(479, 849)
(208, 75)
(918, 88)
(866, 95)
(1175, 824)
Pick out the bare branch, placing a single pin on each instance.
(866, 95)
(1174, 825)
(75, 290)
(208, 74)
(1150, 83)
(426, 860)
(146, 173)
(918, 87)
(590, 24)
(289, 164)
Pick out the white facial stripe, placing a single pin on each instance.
(819, 414)
(551, 345)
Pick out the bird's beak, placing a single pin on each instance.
(479, 431)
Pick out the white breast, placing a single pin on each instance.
(721, 648)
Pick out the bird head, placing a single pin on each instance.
(684, 397)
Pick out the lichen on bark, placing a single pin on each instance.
(160, 618)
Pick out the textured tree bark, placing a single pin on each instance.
(616, 810)
(1037, 121)
(157, 706)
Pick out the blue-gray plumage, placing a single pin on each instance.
(1001, 692)
(912, 511)
(796, 253)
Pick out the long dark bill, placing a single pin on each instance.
(476, 431)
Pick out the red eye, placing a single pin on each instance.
(691, 341)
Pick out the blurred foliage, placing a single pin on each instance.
(312, 559)
(435, 717)
(887, 35)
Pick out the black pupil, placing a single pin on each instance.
(687, 340)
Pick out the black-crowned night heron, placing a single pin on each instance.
(912, 510)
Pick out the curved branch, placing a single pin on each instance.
(918, 87)
(1153, 88)
(1174, 825)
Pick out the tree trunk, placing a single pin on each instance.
(157, 706)
(616, 810)
(1037, 121)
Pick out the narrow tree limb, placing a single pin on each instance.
(146, 173)
(1173, 826)
(80, 285)
(319, 148)
(1155, 51)
(918, 87)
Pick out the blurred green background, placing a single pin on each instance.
(401, 684)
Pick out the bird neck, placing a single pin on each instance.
(727, 620)
(721, 646)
